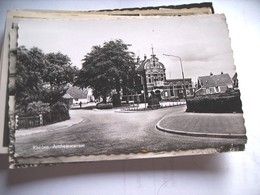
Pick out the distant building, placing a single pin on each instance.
(176, 87)
(75, 95)
(152, 77)
(68, 99)
(213, 84)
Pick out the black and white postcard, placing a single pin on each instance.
(123, 88)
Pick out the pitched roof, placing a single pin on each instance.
(234, 77)
(178, 81)
(77, 93)
(67, 96)
(215, 80)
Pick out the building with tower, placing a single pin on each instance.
(152, 79)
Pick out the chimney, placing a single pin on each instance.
(211, 74)
(145, 57)
(221, 72)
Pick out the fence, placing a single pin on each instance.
(22, 122)
(27, 122)
(50, 118)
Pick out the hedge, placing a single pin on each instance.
(59, 112)
(217, 104)
(104, 106)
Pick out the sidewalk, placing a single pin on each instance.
(229, 125)
(74, 119)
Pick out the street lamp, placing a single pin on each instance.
(184, 88)
(143, 91)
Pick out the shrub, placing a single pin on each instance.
(104, 106)
(36, 108)
(59, 112)
(59, 108)
(215, 104)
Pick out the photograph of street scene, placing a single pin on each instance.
(128, 86)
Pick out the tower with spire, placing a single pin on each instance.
(152, 72)
(152, 79)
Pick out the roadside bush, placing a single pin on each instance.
(215, 104)
(59, 112)
(36, 108)
(104, 106)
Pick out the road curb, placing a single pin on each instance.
(198, 134)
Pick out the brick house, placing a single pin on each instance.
(213, 84)
(152, 77)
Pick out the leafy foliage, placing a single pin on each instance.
(29, 84)
(36, 108)
(223, 103)
(59, 112)
(59, 108)
(59, 70)
(104, 106)
(106, 68)
(41, 77)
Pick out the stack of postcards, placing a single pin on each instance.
(118, 84)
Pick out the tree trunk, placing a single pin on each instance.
(116, 97)
(104, 99)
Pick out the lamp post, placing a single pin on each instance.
(184, 88)
(142, 81)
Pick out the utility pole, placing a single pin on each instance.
(142, 81)
(182, 72)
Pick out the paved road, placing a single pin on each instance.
(109, 132)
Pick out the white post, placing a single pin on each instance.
(41, 120)
(16, 121)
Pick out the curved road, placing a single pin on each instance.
(109, 132)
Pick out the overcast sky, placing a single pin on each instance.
(201, 41)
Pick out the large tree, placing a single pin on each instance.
(106, 68)
(58, 73)
(41, 77)
(29, 83)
